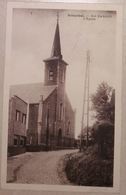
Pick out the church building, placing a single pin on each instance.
(41, 113)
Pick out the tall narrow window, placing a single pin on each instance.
(24, 118)
(61, 111)
(17, 115)
(51, 75)
(63, 77)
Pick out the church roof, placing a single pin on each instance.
(31, 93)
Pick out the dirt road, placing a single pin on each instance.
(38, 168)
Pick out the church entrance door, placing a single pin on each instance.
(59, 137)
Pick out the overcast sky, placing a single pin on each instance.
(32, 38)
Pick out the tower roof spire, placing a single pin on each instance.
(56, 48)
(57, 17)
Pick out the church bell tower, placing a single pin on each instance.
(55, 66)
(55, 75)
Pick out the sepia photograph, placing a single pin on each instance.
(61, 87)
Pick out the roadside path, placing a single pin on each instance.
(38, 168)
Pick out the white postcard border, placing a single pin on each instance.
(76, 6)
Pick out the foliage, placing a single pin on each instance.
(88, 169)
(103, 102)
(84, 132)
(103, 134)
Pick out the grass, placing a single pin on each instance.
(87, 169)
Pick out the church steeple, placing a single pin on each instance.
(55, 66)
(56, 48)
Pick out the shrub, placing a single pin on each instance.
(103, 134)
(89, 170)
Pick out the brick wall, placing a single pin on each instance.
(32, 135)
(58, 119)
(49, 103)
(55, 123)
(16, 127)
(69, 120)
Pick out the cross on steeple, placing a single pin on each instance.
(57, 16)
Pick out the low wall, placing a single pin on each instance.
(12, 151)
(15, 150)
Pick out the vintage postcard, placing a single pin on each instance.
(62, 97)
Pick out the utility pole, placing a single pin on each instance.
(88, 85)
(85, 111)
(47, 130)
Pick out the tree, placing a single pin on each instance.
(103, 103)
(103, 134)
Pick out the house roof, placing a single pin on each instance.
(31, 93)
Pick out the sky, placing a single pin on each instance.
(32, 38)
